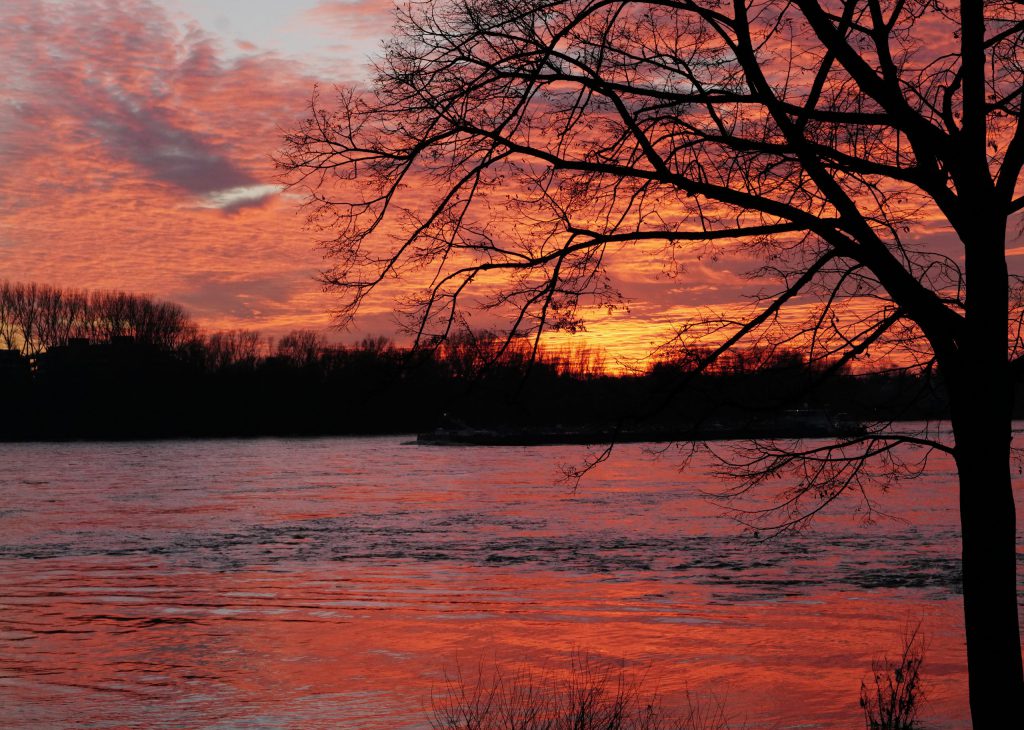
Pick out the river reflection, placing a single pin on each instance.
(330, 582)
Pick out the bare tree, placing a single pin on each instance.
(9, 329)
(233, 348)
(36, 317)
(301, 347)
(816, 135)
(24, 307)
(62, 315)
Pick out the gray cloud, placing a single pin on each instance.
(210, 295)
(117, 70)
(165, 151)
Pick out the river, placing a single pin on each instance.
(332, 583)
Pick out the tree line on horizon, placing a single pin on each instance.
(119, 365)
(36, 318)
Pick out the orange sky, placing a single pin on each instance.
(135, 153)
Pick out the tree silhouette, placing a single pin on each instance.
(301, 347)
(37, 317)
(508, 149)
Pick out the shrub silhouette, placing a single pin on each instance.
(893, 695)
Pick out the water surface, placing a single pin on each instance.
(332, 583)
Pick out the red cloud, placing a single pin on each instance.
(136, 154)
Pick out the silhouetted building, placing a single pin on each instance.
(15, 368)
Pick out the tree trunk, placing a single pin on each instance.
(981, 406)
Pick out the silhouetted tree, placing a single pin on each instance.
(24, 311)
(233, 348)
(301, 347)
(813, 134)
(376, 345)
(37, 317)
(9, 330)
(118, 314)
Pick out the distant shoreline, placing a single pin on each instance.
(519, 439)
(784, 428)
(475, 389)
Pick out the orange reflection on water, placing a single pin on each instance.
(334, 582)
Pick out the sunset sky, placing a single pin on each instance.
(135, 153)
(136, 142)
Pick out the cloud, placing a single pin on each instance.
(164, 151)
(239, 297)
(125, 138)
(124, 84)
(135, 153)
(231, 200)
(365, 18)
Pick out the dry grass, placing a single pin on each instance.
(596, 694)
(591, 695)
